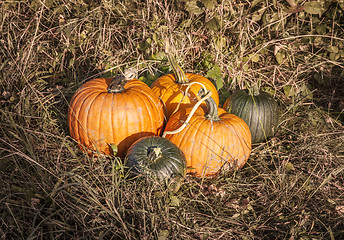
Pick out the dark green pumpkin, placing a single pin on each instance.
(259, 111)
(156, 158)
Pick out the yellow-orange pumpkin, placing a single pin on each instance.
(171, 91)
(211, 140)
(120, 114)
(171, 88)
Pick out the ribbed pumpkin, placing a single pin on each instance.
(258, 109)
(156, 158)
(171, 88)
(108, 111)
(211, 140)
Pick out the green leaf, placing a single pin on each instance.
(334, 56)
(321, 29)
(255, 2)
(289, 167)
(313, 7)
(209, 4)
(145, 45)
(216, 74)
(341, 53)
(155, 37)
(333, 49)
(113, 148)
(220, 43)
(174, 201)
(306, 92)
(289, 90)
(280, 56)
(163, 234)
(254, 57)
(193, 7)
(213, 24)
(158, 56)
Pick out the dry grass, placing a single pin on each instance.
(292, 186)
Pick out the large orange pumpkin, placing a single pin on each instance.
(211, 140)
(171, 88)
(107, 111)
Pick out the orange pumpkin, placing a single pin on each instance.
(211, 140)
(107, 111)
(171, 91)
(171, 88)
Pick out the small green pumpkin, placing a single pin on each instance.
(156, 158)
(258, 109)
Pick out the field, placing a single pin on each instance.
(292, 186)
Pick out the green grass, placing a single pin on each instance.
(292, 186)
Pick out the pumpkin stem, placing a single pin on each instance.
(118, 82)
(205, 97)
(178, 72)
(213, 113)
(186, 93)
(154, 153)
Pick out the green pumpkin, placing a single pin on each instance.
(259, 110)
(156, 158)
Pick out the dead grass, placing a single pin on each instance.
(292, 186)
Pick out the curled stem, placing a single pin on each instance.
(186, 122)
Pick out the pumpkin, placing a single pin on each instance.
(212, 139)
(258, 109)
(156, 158)
(171, 88)
(108, 111)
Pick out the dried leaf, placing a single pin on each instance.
(313, 7)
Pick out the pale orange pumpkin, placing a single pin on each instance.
(106, 111)
(171, 88)
(211, 140)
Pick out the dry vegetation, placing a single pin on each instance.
(292, 186)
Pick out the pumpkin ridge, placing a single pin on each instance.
(84, 125)
(211, 144)
(138, 101)
(122, 118)
(234, 136)
(237, 127)
(242, 105)
(254, 108)
(156, 112)
(118, 120)
(230, 126)
(152, 105)
(176, 123)
(265, 105)
(174, 163)
(91, 119)
(191, 134)
(101, 121)
(112, 134)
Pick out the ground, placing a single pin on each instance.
(292, 185)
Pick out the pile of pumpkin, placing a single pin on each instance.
(173, 127)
